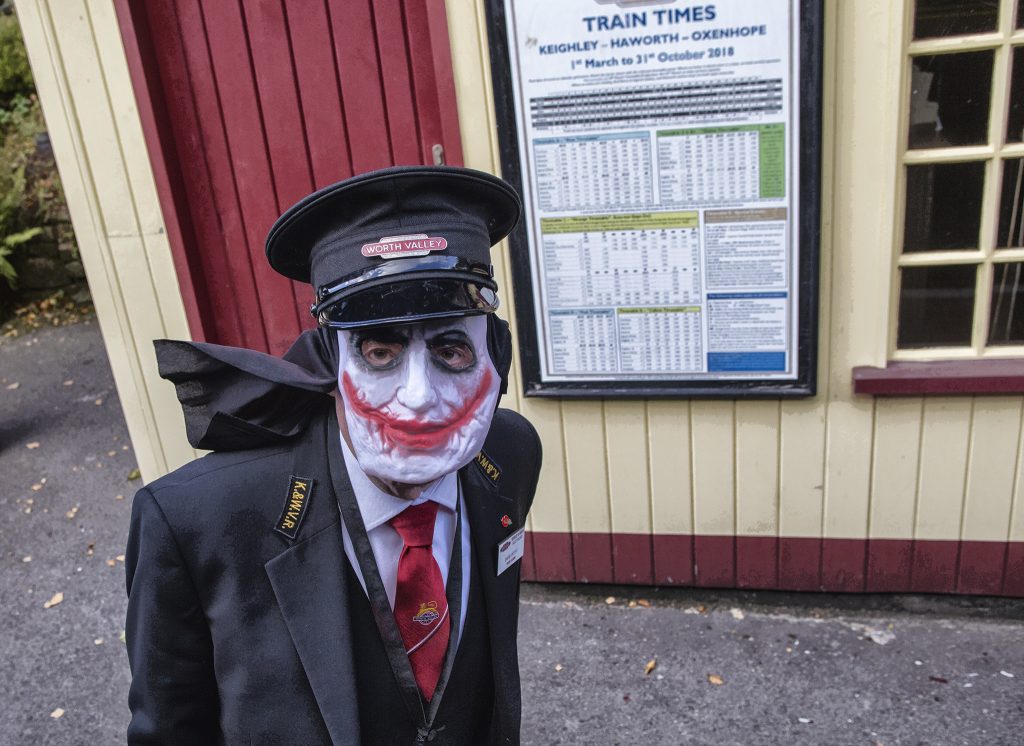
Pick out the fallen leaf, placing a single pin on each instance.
(651, 665)
(58, 713)
(111, 453)
(98, 402)
(610, 600)
(1007, 674)
(133, 475)
(632, 604)
(13, 386)
(27, 558)
(120, 558)
(90, 548)
(33, 445)
(714, 678)
(69, 382)
(702, 609)
(98, 641)
(119, 497)
(42, 480)
(804, 720)
(72, 513)
(938, 679)
(736, 613)
(558, 666)
(121, 637)
(643, 602)
(110, 563)
(57, 598)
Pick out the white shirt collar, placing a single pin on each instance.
(377, 507)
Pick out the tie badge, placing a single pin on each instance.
(427, 614)
(506, 521)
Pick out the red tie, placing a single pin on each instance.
(421, 608)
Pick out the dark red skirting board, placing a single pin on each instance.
(757, 562)
(673, 559)
(632, 559)
(592, 557)
(769, 563)
(552, 557)
(799, 564)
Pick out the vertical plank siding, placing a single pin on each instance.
(838, 492)
(246, 105)
(259, 102)
(82, 80)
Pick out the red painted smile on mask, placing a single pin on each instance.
(417, 434)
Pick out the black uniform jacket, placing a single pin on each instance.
(239, 634)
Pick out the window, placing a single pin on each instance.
(959, 287)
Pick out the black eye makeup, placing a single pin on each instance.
(380, 349)
(452, 350)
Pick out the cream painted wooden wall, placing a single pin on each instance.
(81, 75)
(835, 466)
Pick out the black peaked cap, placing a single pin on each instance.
(319, 239)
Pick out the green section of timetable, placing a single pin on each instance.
(672, 309)
(771, 146)
(772, 160)
(644, 221)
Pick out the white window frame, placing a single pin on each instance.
(1002, 41)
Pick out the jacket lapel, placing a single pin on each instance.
(308, 579)
(486, 508)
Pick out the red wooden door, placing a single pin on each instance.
(248, 105)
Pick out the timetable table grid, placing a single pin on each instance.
(579, 173)
(664, 103)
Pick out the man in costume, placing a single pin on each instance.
(344, 567)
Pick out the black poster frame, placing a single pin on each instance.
(808, 221)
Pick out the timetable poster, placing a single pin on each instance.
(659, 157)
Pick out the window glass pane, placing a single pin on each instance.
(1011, 205)
(949, 99)
(943, 208)
(954, 17)
(936, 305)
(1006, 319)
(1020, 13)
(1015, 121)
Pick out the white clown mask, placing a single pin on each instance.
(418, 398)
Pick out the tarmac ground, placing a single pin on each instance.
(600, 665)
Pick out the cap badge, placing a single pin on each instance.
(392, 247)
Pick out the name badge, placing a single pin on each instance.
(510, 549)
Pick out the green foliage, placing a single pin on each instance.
(15, 74)
(7, 270)
(7, 247)
(31, 199)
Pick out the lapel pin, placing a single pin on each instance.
(506, 521)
